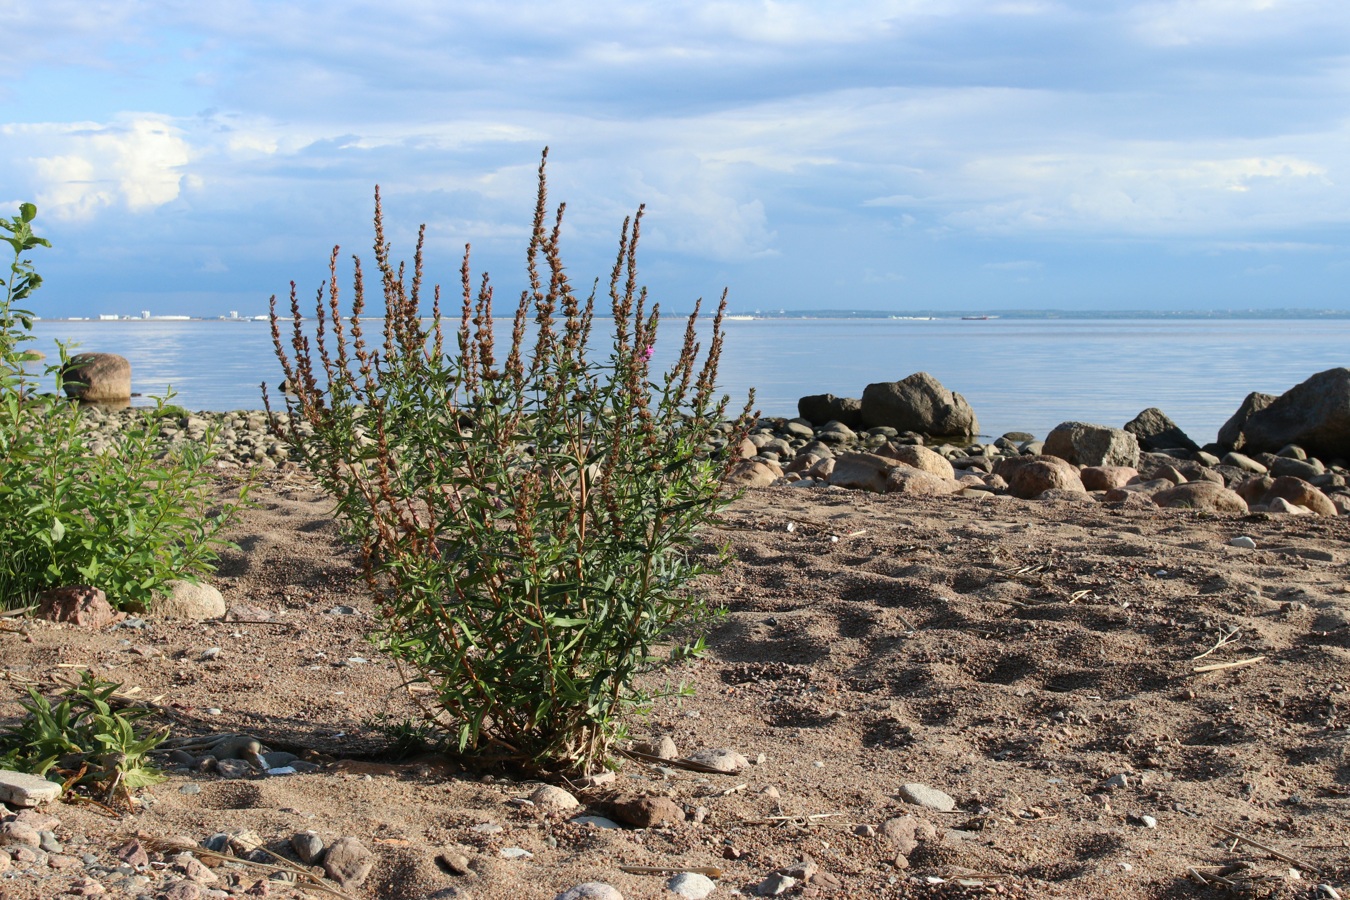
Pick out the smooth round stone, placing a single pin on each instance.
(1243, 542)
(691, 885)
(590, 890)
(927, 797)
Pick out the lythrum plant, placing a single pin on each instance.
(128, 520)
(529, 519)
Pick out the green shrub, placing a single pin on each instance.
(81, 740)
(126, 520)
(528, 521)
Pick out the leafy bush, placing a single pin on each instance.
(83, 741)
(528, 522)
(127, 520)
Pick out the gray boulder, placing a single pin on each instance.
(97, 378)
(1084, 444)
(1155, 431)
(1315, 415)
(918, 403)
(821, 409)
(1230, 435)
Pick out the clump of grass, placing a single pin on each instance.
(529, 520)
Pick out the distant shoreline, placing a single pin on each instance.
(907, 315)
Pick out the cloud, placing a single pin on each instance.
(80, 169)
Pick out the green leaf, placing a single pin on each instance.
(58, 531)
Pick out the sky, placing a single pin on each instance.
(194, 157)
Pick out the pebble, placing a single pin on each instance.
(1148, 821)
(649, 812)
(692, 885)
(774, 885)
(1243, 541)
(553, 799)
(590, 890)
(927, 797)
(596, 822)
(487, 828)
(348, 862)
(17, 834)
(515, 853)
(1118, 781)
(308, 846)
(719, 759)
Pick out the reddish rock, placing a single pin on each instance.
(1105, 478)
(78, 604)
(920, 458)
(1030, 476)
(1253, 490)
(862, 471)
(754, 473)
(348, 862)
(918, 483)
(1300, 493)
(648, 812)
(1203, 495)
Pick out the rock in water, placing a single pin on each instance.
(918, 403)
(821, 409)
(1084, 444)
(1315, 415)
(97, 378)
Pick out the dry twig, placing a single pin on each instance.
(1265, 848)
(1236, 664)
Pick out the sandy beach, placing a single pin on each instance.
(1036, 662)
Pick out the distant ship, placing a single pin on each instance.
(977, 318)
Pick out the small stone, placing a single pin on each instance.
(233, 768)
(133, 854)
(774, 885)
(1116, 782)
(487, 828)
(649, 812)
(280, 771)
(590, 890)
(1243, 541)
(599, 779)
(17, 834)
(771, 792)
(1148, 821)
(87, 887)
(691, 885)
(194, 869)
(515, 853)
(905, 833)
(662, 746)
(348, 862)
(181, 890)
(865, 830)
(19, 789)
(190, 789)
(454, 862)
(308, 846)
(549, 798)
(719, 759)
(48, 843)
(595, 822)
(927, 797)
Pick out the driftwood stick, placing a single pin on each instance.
(1235, 664)
(1223, 641)
(1265, 848)
(710, 871)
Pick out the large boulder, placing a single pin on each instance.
(1300, 493)
(821, 409)
(1230, 435)
(1092, 445)
(1155, 431)
(1201, 495)
(919, 457)
(862, 471)
(97, 378)
(1315, 415)
(1030, 476)
(918, 403)
(919, 483)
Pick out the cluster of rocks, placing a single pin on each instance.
(240, 438)
(1268, 460)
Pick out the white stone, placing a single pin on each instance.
(719, 759)
(691, 885)
(24, 790)
(552, 799)
(1243, 541)
(927, 797)
(590, 890)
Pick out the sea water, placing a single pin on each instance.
(1018, 374)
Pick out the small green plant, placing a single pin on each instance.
(127, 520)
(82, 740)
(529, 522)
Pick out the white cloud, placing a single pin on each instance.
(78, 169)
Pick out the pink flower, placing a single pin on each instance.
(647, 354)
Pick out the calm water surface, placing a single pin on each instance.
(1018, 374)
